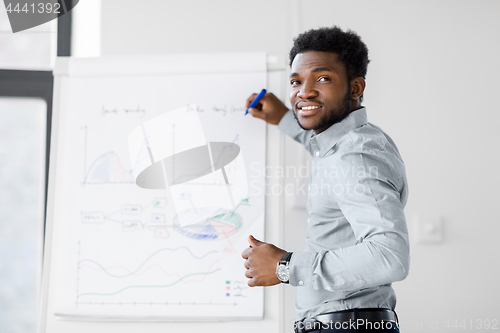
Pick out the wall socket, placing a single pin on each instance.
(428, 231)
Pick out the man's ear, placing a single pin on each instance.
(357, 87)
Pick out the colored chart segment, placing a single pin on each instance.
(210, 223)
(222, 225)
(107, 169)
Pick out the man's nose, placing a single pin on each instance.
(307, 90)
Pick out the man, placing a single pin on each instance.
(357, 239)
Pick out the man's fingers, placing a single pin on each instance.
(254, 242)
(247, 274)
(250, 99)
(251, 283)
(246, 264)
(269, 108)
(256, 113)
(246, 253)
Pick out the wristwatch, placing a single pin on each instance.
(282, 270)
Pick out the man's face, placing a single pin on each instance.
(320, 92)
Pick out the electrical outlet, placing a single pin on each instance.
(428, 231)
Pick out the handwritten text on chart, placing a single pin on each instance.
(115, 110)
(224, 110)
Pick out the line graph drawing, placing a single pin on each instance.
(149, 286)
(133, 272)
(107, 270)
(123, 283)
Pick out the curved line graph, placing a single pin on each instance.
(148, 268)
(145, 261)
(108, 168)
(164, 286)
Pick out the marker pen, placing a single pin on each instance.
(256, 100)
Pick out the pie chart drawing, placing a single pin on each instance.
(210, 223)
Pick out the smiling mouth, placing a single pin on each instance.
(308, 110)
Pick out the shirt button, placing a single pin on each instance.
(301, 283)
(317, 153)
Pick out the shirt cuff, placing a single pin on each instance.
(301, 267)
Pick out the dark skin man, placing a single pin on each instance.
(320, 95)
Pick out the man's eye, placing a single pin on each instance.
(324, 79)
(294, 83)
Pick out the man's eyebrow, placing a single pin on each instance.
(317, 69)
(321, 69)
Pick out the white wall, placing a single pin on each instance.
(434, 64)
(156, 26)
(431, 85)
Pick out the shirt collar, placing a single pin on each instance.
(327, 139)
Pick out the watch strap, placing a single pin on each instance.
(284, 262)
(286, 258)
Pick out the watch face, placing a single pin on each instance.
(283, 273)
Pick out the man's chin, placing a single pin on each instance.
(305, 124)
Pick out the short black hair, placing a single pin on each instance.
(347, 44)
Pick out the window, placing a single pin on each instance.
(22, 193)
(26, 84)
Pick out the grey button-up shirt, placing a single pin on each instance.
(357, 238)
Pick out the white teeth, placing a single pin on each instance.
(310, 107)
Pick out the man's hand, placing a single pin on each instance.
(269, 108)
(261, 261)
